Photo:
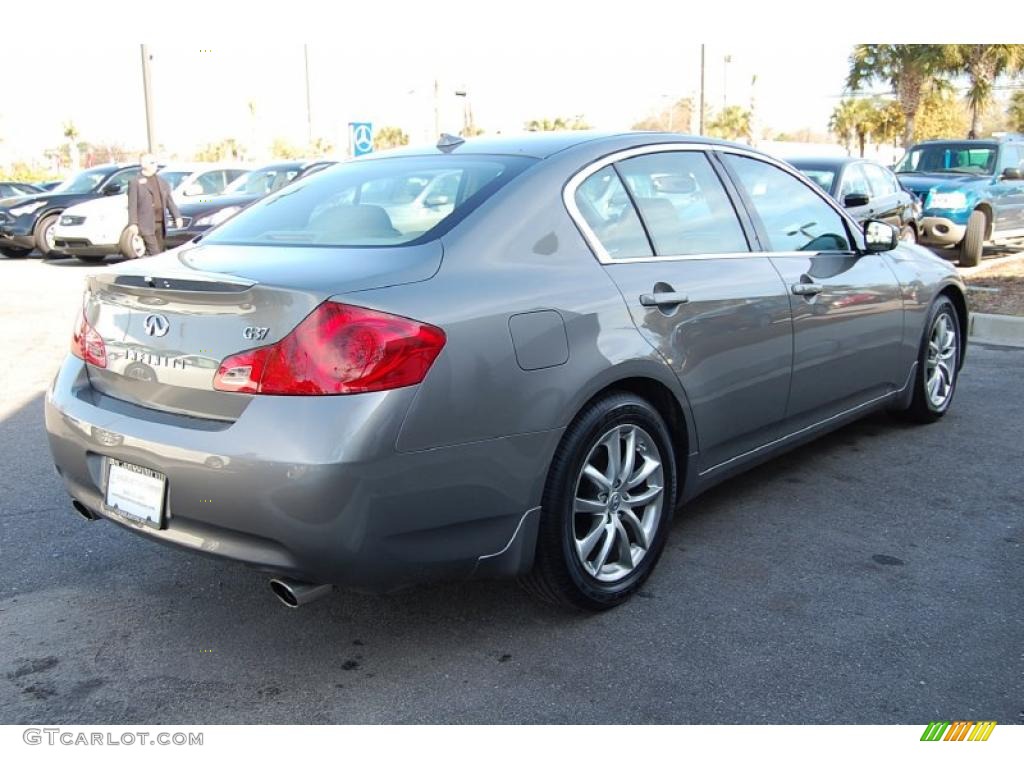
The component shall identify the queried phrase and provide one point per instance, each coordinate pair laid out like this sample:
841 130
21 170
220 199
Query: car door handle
663 299
806 289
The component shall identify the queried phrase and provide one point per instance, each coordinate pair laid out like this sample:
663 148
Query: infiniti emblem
157 325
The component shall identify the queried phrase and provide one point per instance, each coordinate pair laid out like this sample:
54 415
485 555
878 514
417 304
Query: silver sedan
370 381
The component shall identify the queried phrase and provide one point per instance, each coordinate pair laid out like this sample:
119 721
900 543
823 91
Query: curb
1005 330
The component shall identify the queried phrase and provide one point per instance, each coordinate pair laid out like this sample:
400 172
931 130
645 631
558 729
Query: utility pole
700 130
437 110
309 103
147 94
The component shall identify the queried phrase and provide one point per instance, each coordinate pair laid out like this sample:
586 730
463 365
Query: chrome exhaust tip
295 593
84 511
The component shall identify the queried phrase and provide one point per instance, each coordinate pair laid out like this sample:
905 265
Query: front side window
121 179
380 202
794 216
854 182
605 206
683 204
174 178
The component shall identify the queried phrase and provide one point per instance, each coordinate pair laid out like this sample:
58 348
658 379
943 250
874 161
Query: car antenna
447 142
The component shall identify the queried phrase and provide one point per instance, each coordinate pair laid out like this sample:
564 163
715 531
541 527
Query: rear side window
608 211
683 204
380 202
794 217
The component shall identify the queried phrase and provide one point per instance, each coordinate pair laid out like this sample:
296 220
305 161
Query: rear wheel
974 240
938 365
607 505
44 235
131 244
15 253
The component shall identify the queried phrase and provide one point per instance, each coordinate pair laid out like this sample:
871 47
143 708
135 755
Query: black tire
974 240
922 409
908 234
42 227
558 575
91 259
127 245
15 253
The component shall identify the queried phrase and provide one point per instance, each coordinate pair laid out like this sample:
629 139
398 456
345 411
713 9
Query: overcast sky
202 94
614 62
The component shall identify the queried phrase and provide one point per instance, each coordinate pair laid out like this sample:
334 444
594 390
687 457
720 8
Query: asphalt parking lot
875 576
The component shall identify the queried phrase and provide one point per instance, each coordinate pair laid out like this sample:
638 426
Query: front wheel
44 235
974 240
131 244
15 253
938 365
607 505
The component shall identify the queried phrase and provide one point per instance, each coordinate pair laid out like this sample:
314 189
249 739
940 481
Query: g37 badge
255 332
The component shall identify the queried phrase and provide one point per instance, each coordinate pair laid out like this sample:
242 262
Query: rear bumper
312 488
938 230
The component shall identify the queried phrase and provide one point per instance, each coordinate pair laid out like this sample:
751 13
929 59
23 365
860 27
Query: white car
91 230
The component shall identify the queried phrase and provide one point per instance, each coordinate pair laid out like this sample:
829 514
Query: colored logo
362 138
958 730
157 325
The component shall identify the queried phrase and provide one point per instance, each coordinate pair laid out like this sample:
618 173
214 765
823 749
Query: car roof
542 144
825 163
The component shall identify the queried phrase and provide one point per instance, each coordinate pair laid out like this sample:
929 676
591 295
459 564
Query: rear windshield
379 202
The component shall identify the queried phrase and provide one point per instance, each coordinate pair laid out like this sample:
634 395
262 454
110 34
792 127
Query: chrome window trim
574 182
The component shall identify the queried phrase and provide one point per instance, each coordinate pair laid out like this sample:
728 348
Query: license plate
135 493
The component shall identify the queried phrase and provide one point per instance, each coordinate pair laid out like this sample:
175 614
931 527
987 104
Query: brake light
87 344
336 350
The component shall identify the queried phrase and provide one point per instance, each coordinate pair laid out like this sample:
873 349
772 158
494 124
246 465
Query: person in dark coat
149 197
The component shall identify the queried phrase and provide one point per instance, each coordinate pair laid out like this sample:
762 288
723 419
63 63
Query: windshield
86 181
174 178
390 201
261 182
949 158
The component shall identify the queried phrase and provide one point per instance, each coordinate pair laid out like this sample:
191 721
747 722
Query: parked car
28 222
866 189
971 191
526 387
200 216
17 189
97 228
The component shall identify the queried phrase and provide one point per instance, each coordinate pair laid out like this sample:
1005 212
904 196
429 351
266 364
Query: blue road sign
361 138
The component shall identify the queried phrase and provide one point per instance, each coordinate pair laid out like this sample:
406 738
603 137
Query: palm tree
911 71
576 123
1015 111
389 137
731 123
855 119
71 133
983 65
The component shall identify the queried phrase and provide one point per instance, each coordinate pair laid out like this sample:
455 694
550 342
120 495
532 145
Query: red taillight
87 344
336 350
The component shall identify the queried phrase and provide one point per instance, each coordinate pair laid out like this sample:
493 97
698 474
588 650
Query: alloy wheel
940 365
618 503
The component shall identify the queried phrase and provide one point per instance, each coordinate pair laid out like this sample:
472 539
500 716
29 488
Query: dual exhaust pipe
289 591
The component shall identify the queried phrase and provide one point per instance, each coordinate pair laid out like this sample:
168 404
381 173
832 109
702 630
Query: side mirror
1012 174
113 189
193 189
855 200
879 236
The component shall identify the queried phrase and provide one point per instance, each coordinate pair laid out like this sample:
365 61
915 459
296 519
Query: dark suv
27 222
971 191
